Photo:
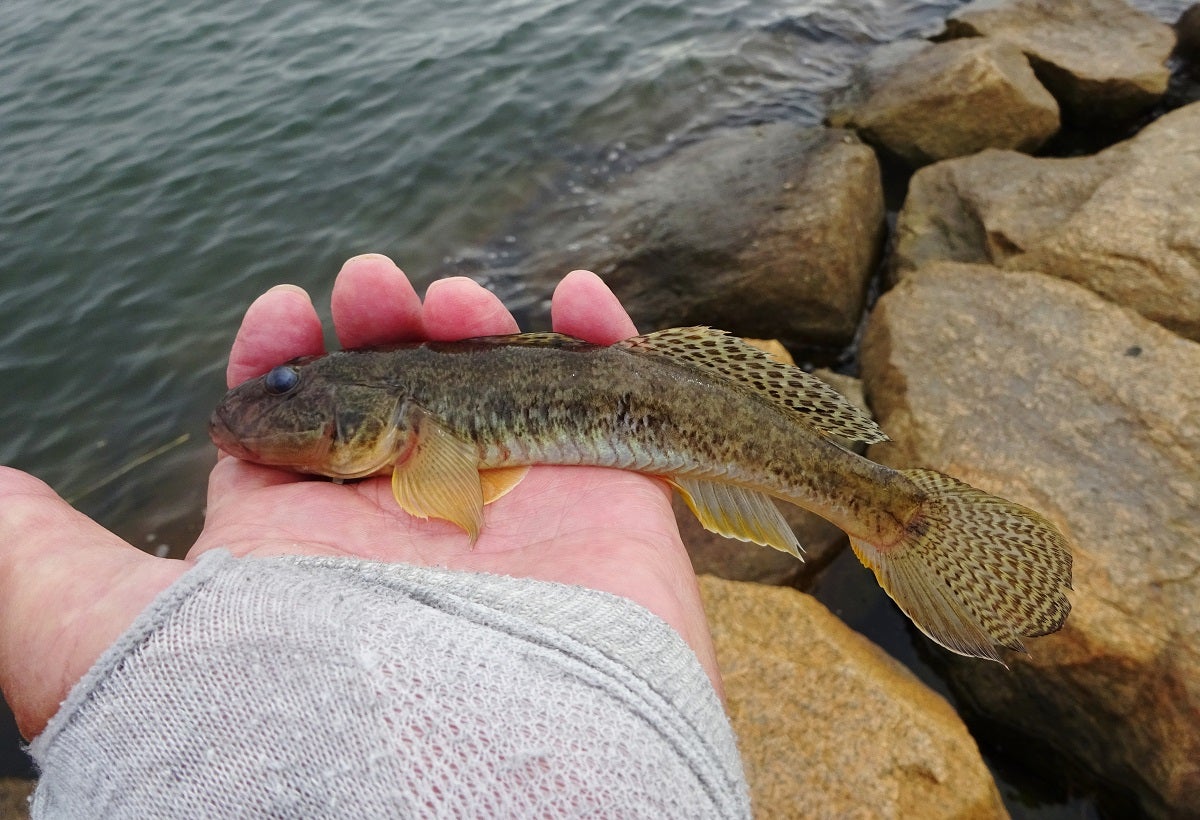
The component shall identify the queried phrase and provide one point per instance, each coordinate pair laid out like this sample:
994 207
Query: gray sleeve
312 687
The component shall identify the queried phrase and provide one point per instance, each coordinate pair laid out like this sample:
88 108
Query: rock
1039 391
713 554
1184 88
1124 223
14 797
1187 34
1101 59
828 724
769 231
926 102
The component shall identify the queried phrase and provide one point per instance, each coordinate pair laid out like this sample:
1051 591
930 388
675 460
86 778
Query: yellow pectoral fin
738 512
440 479
499 481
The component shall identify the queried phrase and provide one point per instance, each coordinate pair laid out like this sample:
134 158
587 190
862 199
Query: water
162 163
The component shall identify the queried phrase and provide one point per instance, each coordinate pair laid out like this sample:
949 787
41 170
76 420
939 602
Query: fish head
303 416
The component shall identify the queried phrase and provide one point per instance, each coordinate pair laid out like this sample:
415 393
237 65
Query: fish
457 424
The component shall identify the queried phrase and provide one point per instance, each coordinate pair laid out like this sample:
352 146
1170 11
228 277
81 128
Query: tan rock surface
925 102
1037 390
828 724
1124 223
1102 59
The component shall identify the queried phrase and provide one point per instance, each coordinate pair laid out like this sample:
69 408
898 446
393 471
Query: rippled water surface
162 163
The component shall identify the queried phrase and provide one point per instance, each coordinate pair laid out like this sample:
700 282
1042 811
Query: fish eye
282 379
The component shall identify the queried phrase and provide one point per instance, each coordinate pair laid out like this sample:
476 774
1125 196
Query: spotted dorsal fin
558 341
813 401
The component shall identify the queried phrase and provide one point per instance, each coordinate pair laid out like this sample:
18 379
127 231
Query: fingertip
279 325
374 303
584 306
370 258
458 308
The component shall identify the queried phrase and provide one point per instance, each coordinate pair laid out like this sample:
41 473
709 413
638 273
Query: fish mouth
224 437
307 456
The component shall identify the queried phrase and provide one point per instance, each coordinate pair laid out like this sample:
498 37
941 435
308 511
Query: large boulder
828 724
768 231
1124 223
1040 391
925 102
1101 59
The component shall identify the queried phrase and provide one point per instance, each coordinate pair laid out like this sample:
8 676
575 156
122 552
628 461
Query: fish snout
224 437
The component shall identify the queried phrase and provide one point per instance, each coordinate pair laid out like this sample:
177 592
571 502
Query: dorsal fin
559 341
815 403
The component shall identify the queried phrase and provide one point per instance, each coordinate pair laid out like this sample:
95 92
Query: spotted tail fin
975 571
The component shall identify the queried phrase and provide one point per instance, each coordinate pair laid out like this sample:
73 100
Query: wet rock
1187 33
769 231
1101 59
1184 88
1124 223
925 102
828 724
1038 390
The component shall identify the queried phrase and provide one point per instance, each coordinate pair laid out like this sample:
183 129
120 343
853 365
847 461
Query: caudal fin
975 571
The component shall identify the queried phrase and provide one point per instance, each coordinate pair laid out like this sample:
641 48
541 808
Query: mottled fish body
457 423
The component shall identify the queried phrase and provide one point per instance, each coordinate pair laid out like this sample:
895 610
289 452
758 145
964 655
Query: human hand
69 588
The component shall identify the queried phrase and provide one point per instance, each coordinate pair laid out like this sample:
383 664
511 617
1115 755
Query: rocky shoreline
1028 320
1038 335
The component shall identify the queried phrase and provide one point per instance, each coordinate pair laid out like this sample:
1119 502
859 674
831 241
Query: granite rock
1124 223
926 102
1038 390
828 724
769 231
1103 60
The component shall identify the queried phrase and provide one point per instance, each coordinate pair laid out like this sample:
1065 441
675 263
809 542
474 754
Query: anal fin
738 512
500 481
440 478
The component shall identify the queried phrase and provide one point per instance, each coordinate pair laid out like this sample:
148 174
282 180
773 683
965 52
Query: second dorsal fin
787 386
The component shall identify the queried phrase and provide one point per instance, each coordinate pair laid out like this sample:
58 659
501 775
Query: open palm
604 529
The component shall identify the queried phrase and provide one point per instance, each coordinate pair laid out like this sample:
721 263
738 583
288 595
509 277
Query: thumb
68 589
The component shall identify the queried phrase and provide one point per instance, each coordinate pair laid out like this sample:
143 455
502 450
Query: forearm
319 687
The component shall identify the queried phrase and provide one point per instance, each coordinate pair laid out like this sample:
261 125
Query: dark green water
162 163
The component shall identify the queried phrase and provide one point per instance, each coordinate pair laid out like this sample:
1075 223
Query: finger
583 306
458 308
374 303
98 583
280 325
